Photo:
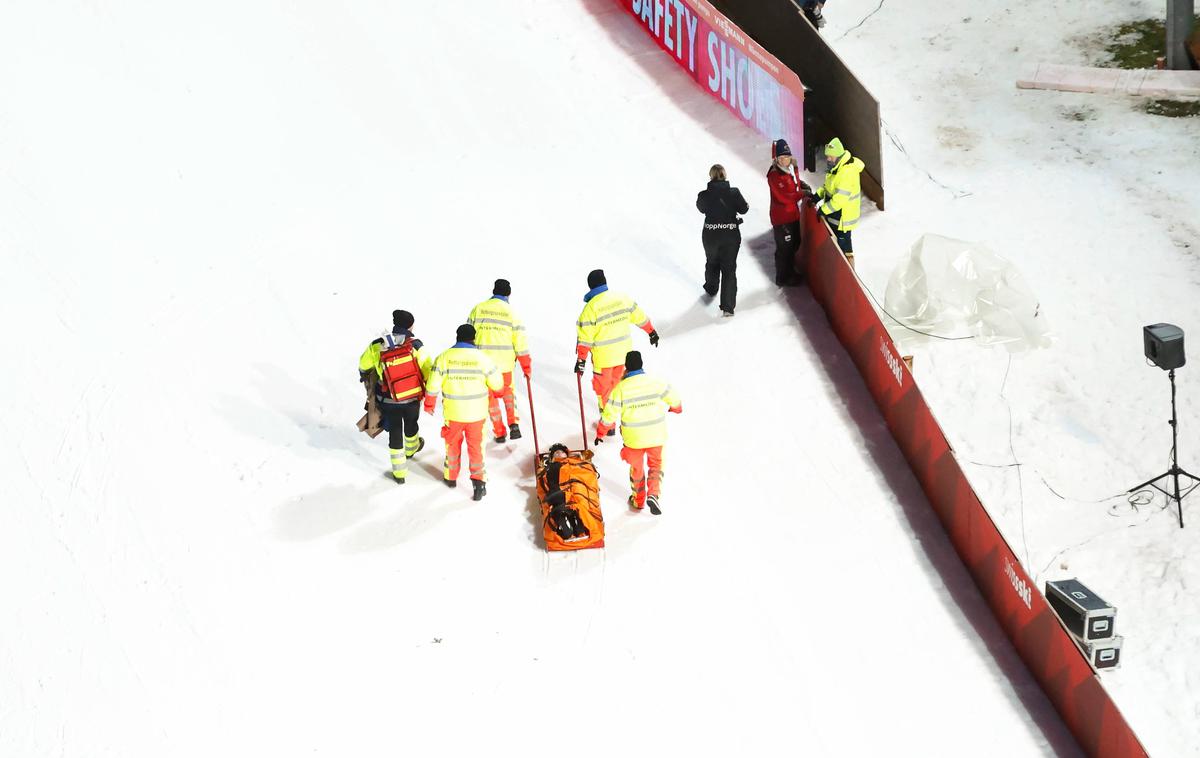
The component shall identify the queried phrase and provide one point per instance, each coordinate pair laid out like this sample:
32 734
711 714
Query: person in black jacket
721 205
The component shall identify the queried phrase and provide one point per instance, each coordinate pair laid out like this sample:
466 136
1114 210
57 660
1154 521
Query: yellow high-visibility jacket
499 332
369 361
603 327
462 376
641 403
842 191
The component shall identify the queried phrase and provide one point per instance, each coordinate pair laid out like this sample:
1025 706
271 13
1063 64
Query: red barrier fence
1042 642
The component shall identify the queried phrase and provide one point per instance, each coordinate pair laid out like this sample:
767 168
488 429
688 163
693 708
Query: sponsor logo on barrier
1018 584
748 80
669 21
893 363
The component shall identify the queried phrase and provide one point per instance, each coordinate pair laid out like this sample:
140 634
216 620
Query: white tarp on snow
948 286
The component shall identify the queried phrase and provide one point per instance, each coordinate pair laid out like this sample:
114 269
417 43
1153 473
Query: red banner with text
1042 642
722 59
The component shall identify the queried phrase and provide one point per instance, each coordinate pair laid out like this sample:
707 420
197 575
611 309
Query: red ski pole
532 418
582 421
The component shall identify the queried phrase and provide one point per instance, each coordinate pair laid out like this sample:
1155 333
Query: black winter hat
780 147
633 361
596 279
502 288
465 333
402 319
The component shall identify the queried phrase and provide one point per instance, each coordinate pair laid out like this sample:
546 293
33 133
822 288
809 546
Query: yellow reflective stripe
616 312
658 420
501 322
448 396
612 341
640 398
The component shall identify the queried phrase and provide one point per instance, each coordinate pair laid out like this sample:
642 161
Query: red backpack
401 373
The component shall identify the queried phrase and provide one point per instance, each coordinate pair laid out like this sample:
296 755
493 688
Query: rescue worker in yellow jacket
465 378
396 367
640 402
501 335
603 331
840 197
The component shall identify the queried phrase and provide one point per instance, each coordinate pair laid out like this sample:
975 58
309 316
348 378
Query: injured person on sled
564 504
568 491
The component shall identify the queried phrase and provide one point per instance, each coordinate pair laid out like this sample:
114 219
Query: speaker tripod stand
1174 472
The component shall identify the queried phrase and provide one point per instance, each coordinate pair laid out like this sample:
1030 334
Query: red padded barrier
1042 642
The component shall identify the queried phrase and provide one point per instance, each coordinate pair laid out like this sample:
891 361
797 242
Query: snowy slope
208 213
1097 204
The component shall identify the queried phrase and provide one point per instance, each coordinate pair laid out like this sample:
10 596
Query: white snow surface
1098 205
207 212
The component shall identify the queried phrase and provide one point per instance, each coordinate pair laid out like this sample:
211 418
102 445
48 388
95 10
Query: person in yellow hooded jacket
840 197
640 403
603 331
500 334
465 378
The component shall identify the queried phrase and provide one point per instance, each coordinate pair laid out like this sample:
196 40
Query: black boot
450 483
501 438
560 521
514 432
480 489
611 433
652 503
580 531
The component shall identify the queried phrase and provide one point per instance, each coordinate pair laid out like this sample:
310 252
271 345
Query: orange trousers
499 427
453 433
645 472
604 382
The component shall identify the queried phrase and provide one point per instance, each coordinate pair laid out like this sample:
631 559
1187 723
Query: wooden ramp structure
1113 81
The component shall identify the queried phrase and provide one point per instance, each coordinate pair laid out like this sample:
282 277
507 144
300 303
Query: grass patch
1138 44
1172 108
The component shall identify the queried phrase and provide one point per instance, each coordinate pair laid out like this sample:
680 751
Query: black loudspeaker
1164 345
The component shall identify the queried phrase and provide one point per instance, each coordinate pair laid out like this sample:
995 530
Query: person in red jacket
786 193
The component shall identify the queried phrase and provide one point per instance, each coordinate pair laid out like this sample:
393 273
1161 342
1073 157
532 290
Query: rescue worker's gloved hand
430 403
654 338
579 364
526 364
677 409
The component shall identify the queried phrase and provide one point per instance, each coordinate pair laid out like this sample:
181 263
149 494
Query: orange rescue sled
568 490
